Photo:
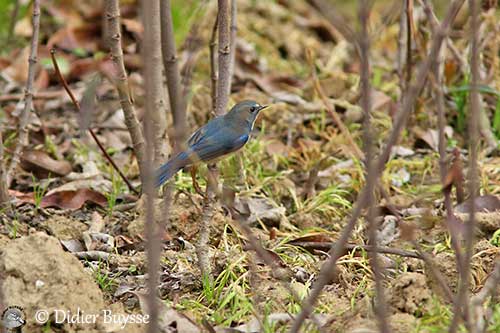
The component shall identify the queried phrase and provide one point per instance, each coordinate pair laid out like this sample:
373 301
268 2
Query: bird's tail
167 170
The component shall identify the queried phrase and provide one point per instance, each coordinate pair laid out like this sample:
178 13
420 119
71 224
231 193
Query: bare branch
94 136
153 134
232 45
364 45
474 113
328 268
28 95
112 10
170 64
224 80
213 63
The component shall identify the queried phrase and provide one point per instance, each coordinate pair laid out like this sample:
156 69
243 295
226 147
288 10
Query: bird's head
246 111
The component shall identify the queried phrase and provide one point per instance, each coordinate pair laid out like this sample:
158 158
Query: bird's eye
252 109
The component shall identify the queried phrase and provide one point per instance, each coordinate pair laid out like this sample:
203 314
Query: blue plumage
217 138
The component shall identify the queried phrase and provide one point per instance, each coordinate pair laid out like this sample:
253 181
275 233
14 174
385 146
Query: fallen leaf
73 199
253 210
42 165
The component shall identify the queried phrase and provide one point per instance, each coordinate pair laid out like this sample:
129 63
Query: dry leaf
42 165
73 199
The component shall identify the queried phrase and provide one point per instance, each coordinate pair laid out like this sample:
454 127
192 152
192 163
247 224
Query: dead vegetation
350 210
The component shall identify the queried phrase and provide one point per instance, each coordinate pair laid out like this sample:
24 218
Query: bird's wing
205 131
211 149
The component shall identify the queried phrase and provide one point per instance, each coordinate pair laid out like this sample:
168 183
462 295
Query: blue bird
219 137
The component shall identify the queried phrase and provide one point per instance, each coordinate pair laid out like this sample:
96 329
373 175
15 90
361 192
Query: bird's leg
196 186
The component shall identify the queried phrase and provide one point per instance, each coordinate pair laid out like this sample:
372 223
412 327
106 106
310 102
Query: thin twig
325 246
36 95
94 136
28 95
463 287
171 66
364 46
224 59
153 133
112 11
232 45
328 268
213 63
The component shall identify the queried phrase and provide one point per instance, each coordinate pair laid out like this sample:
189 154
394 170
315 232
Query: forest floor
75 239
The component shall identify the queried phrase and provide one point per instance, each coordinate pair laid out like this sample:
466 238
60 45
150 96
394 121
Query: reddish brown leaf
455 177
42 165
73 199
316 238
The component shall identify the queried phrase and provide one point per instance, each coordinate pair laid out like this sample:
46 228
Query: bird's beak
263 107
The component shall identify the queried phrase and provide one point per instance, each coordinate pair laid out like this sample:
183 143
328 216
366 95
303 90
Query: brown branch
153 134
213 63
475 109
154 87
325 246
328 268
94 136
112 11
170 64
364 46
438 82
28 95
224 60
232 45
38 95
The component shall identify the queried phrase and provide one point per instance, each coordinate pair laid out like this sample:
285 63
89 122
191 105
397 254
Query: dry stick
170 64
463 288
222 97
94 136
325 246
364 46
213 63
437 68
224 59
28 95
233 30
38 95
152 131
438 81
112 10
328 268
